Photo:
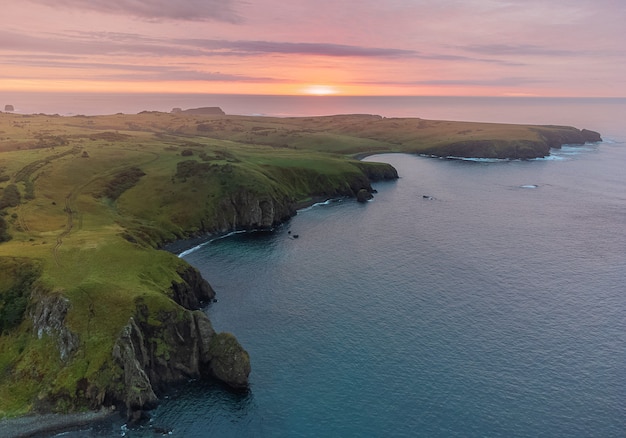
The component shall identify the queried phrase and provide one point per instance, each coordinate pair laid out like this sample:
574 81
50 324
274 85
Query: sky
297 47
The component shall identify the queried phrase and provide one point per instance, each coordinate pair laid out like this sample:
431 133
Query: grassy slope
82 242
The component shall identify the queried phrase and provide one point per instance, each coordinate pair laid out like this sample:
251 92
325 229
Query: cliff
546 139
155 349
248 208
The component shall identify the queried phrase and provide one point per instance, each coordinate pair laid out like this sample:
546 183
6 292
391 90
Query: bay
496 308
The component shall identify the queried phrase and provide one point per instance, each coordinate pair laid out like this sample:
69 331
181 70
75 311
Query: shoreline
184 247
39 424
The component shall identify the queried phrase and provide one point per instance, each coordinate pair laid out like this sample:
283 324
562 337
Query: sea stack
9 108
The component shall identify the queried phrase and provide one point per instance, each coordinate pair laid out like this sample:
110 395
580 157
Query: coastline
186 246
39 424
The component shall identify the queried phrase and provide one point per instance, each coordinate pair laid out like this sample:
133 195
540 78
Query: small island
93 312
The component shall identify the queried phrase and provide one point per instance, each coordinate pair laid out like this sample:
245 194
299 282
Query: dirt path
71 212
69 225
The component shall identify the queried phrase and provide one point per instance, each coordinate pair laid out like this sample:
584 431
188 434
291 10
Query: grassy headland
87 300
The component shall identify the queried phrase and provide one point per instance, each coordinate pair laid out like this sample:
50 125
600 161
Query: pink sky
367 47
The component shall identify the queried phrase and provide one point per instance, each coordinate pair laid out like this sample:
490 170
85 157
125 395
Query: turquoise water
496 308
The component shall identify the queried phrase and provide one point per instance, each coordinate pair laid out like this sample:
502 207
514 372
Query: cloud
128 72
492 82
251 48
517 50
246 48
156 10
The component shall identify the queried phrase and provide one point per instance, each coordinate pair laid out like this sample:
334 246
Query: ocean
468 298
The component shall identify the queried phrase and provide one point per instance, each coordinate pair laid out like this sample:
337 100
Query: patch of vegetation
11 197
20 274
122 181
191 168
109 136
49 141
4 230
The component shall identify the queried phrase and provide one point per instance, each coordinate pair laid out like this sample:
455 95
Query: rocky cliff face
48 318
177 345
549 137
155 349
557 138
247 209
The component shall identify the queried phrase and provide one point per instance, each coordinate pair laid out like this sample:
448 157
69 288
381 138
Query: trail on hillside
69 225
72 212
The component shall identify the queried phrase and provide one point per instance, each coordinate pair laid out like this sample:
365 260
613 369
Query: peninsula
93 313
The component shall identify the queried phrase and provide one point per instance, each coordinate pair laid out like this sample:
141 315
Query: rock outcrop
162 344
194 291
548 138
9 108
555 138
48 318
591 136
248 209
180 345
363 196
228 361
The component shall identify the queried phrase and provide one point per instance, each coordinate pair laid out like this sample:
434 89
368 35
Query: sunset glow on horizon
408 47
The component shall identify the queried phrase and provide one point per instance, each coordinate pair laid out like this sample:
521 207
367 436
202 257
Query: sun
320 90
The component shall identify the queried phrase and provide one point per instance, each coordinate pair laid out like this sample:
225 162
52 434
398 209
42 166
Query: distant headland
204 111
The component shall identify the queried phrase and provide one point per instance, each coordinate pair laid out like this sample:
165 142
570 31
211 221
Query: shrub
10 197
122 182
14 299
4 230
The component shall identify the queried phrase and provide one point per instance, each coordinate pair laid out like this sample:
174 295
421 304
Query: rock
194 291
9 108
48 317
229 362
130 353
246 209
363 195
591 136
176 110
181 344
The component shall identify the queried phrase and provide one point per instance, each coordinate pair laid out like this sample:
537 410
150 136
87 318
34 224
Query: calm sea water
497 308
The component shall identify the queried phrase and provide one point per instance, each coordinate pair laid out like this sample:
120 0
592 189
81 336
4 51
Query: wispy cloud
156 10
251 48
115 43
464 82
130 72
287 48
517 50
